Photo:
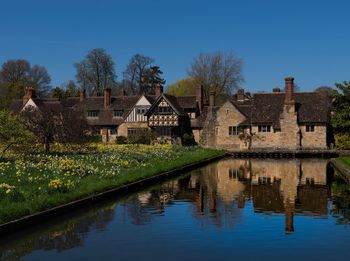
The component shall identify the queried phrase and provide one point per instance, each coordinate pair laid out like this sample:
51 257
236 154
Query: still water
235 209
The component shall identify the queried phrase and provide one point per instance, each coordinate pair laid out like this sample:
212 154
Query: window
232 130
112 131
141 111
118 113
164 110
233 173
310 128
136 131
164 131
264 128
92 114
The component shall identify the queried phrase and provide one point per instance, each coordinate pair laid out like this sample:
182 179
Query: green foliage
141 137
342 140
188 140
341 115
182 87
12 131
121 140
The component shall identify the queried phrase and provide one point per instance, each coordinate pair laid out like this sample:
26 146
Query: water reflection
216 196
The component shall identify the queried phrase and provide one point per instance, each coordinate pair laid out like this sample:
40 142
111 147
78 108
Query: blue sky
309 40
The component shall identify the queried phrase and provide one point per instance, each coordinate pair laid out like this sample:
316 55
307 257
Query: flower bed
31 183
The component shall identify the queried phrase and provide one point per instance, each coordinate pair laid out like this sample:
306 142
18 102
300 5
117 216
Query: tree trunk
47 145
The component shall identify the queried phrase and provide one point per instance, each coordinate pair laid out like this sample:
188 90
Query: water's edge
36 218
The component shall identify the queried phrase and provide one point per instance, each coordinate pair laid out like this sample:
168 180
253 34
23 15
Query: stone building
276 120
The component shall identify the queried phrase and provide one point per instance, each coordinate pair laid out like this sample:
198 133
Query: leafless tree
17 74
52 123
217 72
96 71
136 73
15 71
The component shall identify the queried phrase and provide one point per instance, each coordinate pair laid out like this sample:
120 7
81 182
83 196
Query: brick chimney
212 99
107 97
240 95
199 97
289 91
276 90
158 89
29 93
82 94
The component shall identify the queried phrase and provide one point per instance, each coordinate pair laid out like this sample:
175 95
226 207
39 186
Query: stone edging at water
37 218
341 168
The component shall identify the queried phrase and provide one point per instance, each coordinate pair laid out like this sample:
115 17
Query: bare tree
217 72
52 123
96 71
17 74
40 79
135 74
15 71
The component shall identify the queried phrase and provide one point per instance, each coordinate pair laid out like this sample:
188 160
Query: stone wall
287 137
123 128
316 139
228 115
197 135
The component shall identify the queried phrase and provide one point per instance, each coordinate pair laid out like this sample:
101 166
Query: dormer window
264 128
92 114
141 111
118 113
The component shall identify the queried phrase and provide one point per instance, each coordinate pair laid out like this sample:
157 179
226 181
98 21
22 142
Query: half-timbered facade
165 116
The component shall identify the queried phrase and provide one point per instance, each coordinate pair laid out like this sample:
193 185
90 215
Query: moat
241 209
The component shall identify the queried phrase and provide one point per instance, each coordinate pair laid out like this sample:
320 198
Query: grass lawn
345 161
35 182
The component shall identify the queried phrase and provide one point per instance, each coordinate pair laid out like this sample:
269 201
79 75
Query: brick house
276 120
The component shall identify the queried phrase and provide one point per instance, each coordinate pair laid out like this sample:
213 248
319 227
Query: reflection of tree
65 235
341 201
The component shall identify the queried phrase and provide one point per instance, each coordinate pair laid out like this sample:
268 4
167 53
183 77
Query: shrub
121 140
342 141
188 140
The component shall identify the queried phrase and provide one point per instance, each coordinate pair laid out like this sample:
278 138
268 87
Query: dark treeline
94 73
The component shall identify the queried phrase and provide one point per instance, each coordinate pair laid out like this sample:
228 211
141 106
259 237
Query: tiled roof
187 102
311 107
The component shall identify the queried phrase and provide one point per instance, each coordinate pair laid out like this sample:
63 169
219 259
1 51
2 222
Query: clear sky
307 39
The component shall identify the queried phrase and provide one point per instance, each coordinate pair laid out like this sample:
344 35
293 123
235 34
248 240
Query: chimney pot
240 95
158 90
289 91
107 97
29 93
212 98
82 94
276 90
199 97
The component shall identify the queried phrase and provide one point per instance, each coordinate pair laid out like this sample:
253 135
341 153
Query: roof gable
171 101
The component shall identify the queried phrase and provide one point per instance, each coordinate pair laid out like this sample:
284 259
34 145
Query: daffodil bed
35 182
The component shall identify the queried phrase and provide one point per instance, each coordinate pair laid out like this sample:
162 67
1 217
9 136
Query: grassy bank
32 183
345 161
